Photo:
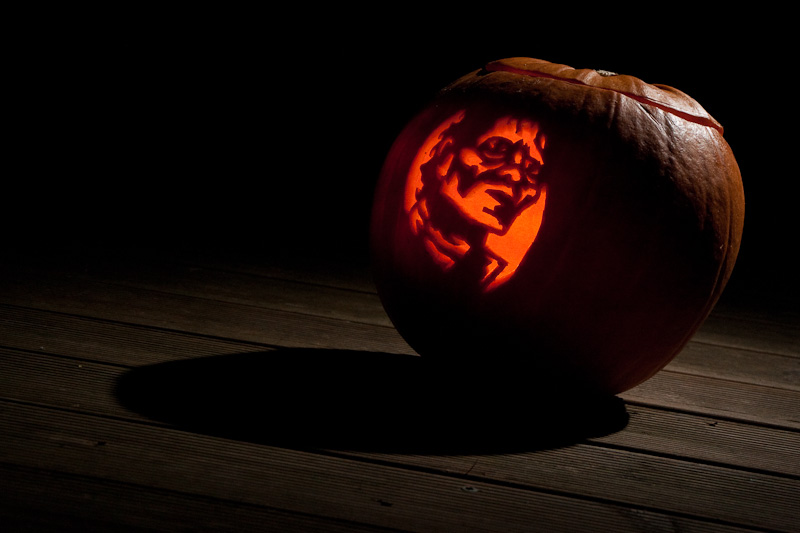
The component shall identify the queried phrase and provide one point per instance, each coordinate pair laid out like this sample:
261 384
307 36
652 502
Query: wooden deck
194 392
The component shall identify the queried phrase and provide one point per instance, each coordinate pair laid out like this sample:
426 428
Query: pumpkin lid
663 97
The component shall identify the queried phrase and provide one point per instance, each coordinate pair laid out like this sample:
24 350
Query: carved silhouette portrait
474 195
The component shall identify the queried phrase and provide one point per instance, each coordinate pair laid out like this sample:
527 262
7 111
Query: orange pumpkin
574 227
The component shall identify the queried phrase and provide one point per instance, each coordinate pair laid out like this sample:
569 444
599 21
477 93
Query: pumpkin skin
557 226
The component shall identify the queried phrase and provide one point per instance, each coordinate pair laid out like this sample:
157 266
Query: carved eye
495 148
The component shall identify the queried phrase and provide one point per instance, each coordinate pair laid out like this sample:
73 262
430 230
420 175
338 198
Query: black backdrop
265 132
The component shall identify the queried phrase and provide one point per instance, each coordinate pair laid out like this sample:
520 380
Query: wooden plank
91 387
659 483
351 273
724 399
734 364
343 271
249 289
59 382
735 332
43 501
200 316
707 439
106 341
345 489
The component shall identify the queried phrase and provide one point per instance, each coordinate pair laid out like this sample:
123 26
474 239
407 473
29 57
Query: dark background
264 132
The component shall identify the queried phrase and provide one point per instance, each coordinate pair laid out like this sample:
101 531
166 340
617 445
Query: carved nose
512 173
518 156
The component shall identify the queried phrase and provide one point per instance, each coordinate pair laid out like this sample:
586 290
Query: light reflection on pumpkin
476 201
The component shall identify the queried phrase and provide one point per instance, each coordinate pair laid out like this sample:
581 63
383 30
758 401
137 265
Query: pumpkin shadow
340 399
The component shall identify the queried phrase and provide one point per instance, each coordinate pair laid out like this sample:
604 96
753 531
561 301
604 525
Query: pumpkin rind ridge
664 96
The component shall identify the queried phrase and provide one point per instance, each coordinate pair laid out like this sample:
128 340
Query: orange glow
515 244
425 154
478 196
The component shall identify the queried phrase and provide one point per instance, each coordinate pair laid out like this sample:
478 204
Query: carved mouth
506 209
502 196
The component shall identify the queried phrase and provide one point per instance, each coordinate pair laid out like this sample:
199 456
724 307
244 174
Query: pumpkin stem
605 73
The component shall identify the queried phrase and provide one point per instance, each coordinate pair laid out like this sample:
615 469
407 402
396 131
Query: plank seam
145 326
716 415
727 379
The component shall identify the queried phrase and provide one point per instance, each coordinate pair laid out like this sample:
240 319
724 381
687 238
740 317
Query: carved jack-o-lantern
569 226
478 196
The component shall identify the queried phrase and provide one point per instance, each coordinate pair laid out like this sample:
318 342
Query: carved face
474 197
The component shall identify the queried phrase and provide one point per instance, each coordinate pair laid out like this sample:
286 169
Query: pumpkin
571 228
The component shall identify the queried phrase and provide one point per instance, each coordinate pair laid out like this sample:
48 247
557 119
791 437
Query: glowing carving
475 199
